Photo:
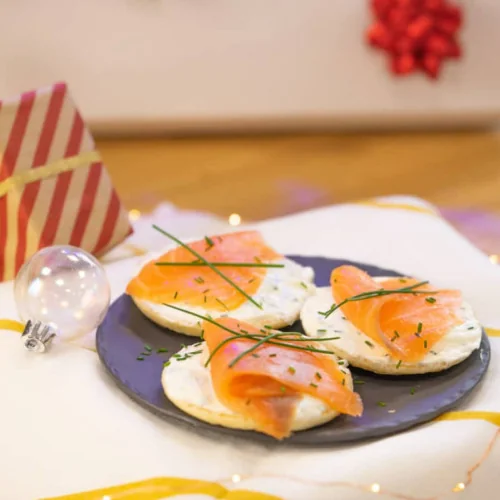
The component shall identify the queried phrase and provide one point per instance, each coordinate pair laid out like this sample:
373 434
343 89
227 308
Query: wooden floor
268 176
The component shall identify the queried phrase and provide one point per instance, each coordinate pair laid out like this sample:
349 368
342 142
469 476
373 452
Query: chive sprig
209 264
379 293
273 338
219 264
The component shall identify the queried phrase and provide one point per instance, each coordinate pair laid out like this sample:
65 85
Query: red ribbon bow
417 34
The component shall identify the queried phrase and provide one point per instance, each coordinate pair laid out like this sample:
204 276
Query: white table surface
66 428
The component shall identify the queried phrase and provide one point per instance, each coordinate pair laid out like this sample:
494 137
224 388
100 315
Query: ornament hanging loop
37 337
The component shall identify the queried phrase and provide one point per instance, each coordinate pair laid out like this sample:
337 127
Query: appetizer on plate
248 378
393 326
234 274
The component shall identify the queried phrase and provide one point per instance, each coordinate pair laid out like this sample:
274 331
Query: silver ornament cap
37 337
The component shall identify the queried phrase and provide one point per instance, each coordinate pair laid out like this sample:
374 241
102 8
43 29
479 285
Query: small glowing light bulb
134 215
459 487
375 488
236 478
235 219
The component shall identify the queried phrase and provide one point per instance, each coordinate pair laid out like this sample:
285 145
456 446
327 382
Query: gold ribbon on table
374 202
161 488
493 417
492 332
52 169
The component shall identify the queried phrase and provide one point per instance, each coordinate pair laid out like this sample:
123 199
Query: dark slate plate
125 330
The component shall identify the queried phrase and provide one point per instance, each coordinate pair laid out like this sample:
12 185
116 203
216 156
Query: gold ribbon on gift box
52 169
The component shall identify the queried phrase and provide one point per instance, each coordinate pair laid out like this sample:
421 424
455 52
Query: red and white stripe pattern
78 207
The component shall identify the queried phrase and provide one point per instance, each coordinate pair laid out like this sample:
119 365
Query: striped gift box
54 188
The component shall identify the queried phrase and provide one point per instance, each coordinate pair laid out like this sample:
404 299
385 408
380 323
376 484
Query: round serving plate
410 400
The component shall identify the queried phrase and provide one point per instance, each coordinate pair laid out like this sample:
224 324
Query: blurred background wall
139 66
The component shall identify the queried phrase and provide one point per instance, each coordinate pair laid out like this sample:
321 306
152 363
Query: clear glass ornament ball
65 288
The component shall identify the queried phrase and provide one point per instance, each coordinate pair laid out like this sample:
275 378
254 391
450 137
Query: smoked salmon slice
200 285
267 383
406 325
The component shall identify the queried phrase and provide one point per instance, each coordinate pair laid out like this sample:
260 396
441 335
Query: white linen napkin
66 428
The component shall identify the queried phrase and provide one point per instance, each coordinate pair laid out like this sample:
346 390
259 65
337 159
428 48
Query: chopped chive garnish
255 355
318 375
206 291
368 343
272 355
167 363
205 299
471 328
199 279
402 280
431 300
343 381
209 242
222 304
291 369
433 352
202 334
197 255
257 259
359 382
148 347
382 404
313 385
282 388
417 334
251 280
425 344
399 364
139 358
303 285
268 327
321 331
161 349
341 362
419 328
412 391
175 295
